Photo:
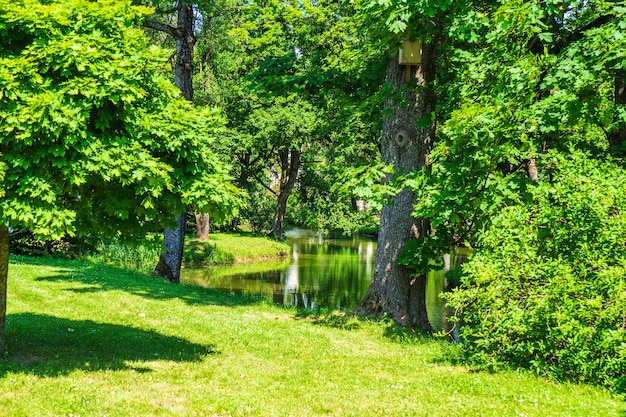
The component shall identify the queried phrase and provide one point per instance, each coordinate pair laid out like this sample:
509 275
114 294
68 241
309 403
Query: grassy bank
229 248
222 248
89 340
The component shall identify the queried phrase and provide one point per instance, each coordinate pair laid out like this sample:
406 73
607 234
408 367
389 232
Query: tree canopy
93 136
90 124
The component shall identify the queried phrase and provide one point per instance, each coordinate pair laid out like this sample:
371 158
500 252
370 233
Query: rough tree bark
4 276
290 161
396 290
170 261
185 42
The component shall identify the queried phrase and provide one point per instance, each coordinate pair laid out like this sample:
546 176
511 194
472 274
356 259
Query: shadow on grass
331 318
353 321
50 346
98 277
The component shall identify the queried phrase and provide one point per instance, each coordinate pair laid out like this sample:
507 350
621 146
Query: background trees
295 81
93 137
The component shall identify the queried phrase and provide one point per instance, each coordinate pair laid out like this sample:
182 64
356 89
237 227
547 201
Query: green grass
140 256
91 340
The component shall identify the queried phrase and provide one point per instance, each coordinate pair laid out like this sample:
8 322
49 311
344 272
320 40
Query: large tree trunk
396 290
4 277
290 161
174 240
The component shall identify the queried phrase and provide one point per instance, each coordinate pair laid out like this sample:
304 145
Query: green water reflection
322 273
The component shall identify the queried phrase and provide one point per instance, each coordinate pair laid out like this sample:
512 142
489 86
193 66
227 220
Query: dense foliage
92 136
546 287
531 100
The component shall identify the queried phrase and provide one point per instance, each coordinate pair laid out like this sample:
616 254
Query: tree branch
162 27
264 185
537 47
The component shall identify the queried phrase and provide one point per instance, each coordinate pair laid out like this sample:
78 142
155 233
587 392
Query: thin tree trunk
531 169
4 276
279 216
170 261
290 164
203 223
396 290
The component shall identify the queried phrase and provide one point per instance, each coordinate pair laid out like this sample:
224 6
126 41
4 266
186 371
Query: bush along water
546 286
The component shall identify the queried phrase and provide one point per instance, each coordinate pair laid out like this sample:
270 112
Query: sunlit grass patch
93 340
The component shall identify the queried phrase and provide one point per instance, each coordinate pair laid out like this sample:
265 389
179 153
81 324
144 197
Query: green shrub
23 242
546 286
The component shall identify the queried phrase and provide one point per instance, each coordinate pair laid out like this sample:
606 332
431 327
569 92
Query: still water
322 272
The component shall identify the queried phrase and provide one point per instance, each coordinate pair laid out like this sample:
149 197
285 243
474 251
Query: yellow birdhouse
411 52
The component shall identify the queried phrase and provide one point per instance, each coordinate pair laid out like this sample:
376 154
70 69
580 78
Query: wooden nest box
410 52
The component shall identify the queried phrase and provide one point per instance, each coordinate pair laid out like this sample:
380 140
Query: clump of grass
141 256
200 253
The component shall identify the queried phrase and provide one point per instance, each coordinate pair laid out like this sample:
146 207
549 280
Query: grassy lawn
90 340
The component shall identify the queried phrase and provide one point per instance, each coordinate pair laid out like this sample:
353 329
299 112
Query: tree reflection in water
329 273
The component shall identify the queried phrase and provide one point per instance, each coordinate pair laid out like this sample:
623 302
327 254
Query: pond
322 272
